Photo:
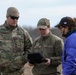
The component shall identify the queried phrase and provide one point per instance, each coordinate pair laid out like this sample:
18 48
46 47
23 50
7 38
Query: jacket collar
9 27
70 32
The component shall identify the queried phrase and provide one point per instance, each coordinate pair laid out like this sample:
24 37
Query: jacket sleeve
27 43
69 63
58 47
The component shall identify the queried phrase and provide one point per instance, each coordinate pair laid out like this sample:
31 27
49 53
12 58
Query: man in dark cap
15 43
50 47
68 29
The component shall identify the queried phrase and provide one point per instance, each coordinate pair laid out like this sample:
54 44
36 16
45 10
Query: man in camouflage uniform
15 43
50 46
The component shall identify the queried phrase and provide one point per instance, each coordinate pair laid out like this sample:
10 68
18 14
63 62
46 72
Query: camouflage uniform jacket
49 46
14 45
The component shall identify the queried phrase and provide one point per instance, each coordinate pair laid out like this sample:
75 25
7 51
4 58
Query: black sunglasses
13 17
41 29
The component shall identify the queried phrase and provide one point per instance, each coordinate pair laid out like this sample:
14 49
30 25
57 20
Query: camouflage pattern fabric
14 73
15 43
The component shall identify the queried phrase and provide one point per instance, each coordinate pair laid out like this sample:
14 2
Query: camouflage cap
12 11
43 23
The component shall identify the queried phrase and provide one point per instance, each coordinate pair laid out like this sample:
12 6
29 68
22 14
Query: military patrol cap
12 11
66 21
43 23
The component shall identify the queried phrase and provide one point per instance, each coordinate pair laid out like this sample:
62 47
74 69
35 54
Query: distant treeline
34 32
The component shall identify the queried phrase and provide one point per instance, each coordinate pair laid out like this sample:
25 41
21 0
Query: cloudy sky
33 10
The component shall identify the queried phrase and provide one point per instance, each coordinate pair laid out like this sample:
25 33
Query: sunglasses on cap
13 17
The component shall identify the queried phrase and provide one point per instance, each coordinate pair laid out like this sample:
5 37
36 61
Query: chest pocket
45 50
48 50
18 39
37 48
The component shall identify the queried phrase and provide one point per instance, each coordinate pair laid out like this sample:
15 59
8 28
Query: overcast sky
33 10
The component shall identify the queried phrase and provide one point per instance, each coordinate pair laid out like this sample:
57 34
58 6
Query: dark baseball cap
66 21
